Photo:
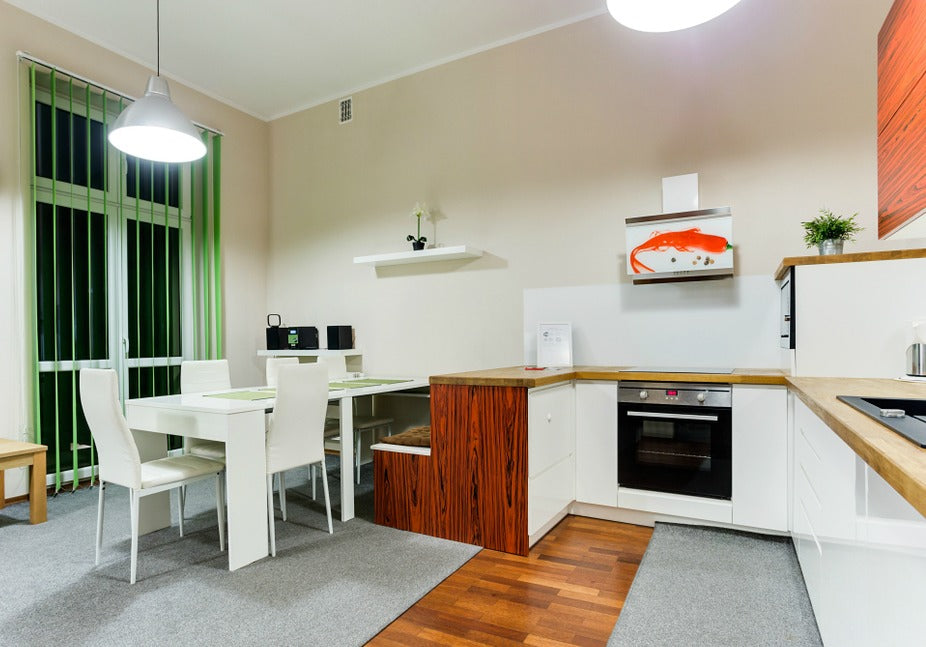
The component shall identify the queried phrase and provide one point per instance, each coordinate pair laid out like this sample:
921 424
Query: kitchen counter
899 462
856 257
524 377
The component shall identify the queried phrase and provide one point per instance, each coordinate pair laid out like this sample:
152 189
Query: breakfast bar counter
522 376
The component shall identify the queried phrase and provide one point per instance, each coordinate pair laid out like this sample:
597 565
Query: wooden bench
18 454
402 472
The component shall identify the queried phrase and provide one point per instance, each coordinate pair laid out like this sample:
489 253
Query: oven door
677 449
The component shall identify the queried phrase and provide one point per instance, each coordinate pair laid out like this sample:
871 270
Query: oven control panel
679 394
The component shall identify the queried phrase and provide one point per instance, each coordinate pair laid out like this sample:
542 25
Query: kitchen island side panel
479 454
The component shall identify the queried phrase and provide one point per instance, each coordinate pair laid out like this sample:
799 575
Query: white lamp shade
666 15
153 128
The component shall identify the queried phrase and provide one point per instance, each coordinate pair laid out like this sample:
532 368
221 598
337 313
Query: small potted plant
419 240
828 231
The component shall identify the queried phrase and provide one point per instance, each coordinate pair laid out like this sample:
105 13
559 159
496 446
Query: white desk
240 425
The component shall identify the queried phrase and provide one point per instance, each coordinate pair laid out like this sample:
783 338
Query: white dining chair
273 367
120 462
296 434
363 423
199 376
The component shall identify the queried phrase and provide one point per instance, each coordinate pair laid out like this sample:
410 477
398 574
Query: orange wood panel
569 590
901 116
400 496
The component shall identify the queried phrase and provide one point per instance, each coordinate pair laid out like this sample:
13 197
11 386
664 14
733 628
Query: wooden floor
568 591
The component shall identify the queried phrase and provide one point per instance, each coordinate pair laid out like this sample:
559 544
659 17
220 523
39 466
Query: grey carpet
714 587
321 589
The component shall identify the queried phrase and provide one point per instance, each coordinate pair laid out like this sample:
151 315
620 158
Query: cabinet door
550 426
596 443
760 456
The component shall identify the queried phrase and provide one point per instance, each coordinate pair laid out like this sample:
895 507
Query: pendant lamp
153 128
666 15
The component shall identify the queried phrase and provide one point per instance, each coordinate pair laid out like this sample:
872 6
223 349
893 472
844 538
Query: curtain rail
21 55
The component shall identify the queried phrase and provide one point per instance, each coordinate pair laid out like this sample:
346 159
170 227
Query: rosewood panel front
401 494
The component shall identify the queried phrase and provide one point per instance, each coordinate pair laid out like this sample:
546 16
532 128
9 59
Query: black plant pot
417 245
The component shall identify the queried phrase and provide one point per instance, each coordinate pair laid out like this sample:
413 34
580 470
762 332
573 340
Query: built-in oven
675 438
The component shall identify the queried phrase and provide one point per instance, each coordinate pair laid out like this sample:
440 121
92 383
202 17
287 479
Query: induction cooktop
681 369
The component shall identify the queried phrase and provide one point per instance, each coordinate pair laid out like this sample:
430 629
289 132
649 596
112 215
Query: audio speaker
340 337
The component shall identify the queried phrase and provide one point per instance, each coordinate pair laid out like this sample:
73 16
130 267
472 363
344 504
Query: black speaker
276 338
340 337
302 337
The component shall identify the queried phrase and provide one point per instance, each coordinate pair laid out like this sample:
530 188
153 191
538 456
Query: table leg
153 510
347 458
38 507
2 489
246 483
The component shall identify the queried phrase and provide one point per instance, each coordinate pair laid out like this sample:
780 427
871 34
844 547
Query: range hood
682 246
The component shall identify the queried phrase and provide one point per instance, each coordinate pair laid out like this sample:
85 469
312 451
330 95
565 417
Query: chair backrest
296 434
337 366
273 367
197 376
99 397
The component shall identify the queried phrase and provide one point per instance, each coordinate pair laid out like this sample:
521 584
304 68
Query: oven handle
672 416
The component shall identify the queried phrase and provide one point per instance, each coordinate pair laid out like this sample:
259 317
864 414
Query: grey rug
321 589
712 587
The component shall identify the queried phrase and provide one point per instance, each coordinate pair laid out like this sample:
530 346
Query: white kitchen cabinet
760 456
551 445
596 443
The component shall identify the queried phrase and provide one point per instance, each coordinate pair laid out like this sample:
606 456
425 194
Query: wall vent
345 110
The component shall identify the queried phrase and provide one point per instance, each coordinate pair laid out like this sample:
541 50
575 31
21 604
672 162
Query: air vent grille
345 110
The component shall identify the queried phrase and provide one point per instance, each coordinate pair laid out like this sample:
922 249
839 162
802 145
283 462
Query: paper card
554 344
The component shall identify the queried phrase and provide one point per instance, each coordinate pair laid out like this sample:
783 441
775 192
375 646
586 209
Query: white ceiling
275 57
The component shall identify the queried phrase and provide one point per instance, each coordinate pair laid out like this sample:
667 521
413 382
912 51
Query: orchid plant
419 240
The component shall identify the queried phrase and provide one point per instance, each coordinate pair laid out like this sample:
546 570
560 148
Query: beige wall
245 198
537 151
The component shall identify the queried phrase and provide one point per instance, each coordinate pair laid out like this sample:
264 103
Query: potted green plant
828 231
419 240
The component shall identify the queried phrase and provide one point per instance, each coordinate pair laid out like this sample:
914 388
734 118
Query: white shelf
421 256
321 352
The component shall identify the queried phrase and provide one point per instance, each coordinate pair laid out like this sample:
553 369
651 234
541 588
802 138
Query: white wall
537 151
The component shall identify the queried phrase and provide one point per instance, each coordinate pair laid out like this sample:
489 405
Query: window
118 246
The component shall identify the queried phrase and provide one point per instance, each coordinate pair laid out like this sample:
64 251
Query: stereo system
281 337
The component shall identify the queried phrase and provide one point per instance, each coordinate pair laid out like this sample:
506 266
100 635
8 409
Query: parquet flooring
569 590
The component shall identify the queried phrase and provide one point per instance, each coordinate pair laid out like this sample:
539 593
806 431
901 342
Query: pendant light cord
158 33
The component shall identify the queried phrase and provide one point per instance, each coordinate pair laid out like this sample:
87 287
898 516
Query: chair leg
133 511
357 436
327 499
180 498
220 508
313 474
270 520
99 524
182 505
282 478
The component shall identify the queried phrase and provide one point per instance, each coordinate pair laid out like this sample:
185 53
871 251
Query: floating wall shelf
321 352
422 256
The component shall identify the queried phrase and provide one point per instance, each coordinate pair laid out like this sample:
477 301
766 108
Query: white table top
198 402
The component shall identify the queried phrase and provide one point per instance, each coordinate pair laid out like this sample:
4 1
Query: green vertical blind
124 262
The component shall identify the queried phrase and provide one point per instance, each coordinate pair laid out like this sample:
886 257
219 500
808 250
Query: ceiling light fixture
152 127
666 15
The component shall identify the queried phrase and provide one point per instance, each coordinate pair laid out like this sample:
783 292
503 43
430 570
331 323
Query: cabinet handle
549 417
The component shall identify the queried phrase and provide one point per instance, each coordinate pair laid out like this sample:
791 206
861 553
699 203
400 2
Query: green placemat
362 383
244 395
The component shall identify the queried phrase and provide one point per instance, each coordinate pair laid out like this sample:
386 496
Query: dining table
236 417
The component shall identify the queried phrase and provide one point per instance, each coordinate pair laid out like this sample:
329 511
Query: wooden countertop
899 462
521 376
857 257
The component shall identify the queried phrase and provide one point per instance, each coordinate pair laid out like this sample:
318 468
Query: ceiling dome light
666 15
153 128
